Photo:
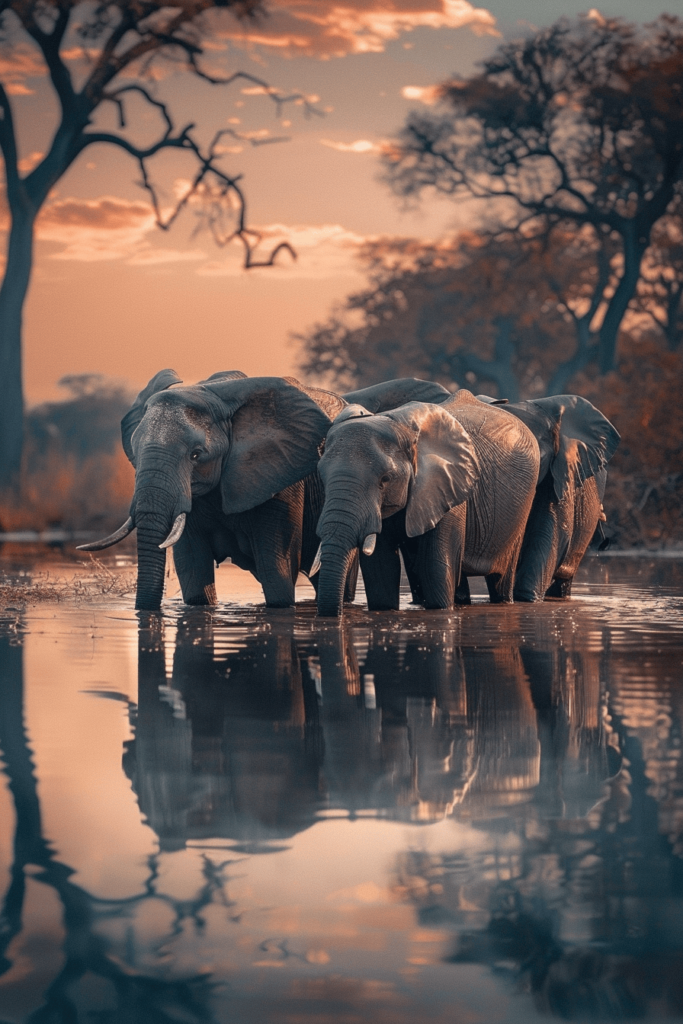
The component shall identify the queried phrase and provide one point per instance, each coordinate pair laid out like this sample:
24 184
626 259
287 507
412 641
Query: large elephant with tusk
227 469
220 470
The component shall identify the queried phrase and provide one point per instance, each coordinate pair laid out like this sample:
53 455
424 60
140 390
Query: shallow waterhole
240 814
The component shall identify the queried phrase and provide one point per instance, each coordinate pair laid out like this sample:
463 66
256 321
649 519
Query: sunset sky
112 294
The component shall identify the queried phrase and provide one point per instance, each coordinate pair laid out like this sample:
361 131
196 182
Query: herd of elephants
285 478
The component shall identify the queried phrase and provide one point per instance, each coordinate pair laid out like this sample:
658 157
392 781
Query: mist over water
241 814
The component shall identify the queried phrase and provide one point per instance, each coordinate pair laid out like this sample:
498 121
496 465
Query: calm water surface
242 815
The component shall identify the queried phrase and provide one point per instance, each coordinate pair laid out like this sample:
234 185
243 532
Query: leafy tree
660 289
644 498
501 314
124 40
578 127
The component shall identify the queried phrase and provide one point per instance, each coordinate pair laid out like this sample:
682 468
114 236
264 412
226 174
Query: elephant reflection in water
240 744
576 896
225 748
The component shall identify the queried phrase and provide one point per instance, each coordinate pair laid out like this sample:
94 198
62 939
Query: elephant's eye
385 479
195 454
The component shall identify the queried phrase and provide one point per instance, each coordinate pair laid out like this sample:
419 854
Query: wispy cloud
95 229
323 251
428 94
327 28
112 229
359 146
17 63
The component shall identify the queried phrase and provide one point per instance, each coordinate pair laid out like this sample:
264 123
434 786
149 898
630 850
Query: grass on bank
17 591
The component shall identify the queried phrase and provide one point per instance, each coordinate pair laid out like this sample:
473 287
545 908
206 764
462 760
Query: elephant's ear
330 403
492 401
276 430
447 464
544 425
587 440
225 375
160 382
394 393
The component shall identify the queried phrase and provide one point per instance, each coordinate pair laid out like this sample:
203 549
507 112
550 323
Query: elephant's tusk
317 562
113 538
369 543
176 531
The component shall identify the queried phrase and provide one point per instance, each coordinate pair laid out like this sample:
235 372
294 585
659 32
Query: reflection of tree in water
136 996
572 891
581 905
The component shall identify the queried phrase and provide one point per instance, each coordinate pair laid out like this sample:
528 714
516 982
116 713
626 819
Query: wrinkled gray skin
450 485
237 456
231 453
576 442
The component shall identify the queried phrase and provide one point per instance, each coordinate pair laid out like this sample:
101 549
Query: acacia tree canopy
120 43
506 314
496 313
580 125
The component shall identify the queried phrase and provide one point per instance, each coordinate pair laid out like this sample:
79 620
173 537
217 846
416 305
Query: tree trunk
12 296
499 369
618 304
585 352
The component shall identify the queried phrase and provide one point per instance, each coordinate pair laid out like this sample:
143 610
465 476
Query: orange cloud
359 146
17 63
428 94
328 28
106 229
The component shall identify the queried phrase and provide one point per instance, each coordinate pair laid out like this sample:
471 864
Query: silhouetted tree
580 125
660 288
120 41
506 312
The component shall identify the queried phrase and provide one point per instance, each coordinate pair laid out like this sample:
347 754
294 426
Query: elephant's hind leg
275 529
439 560
560 588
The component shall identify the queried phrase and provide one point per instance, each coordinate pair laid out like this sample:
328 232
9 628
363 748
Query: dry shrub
644 498
97 580
75 493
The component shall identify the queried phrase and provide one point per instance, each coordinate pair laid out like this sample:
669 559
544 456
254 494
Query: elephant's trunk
337 556
151 561
347 519
161 494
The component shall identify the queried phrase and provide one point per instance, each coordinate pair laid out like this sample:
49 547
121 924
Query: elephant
576 442
220 470
226 468
450 485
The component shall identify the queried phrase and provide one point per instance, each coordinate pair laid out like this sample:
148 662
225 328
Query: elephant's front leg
439 559
275 529
382 573
194 565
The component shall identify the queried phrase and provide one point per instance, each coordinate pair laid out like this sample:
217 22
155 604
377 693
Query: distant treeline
78 477
76 474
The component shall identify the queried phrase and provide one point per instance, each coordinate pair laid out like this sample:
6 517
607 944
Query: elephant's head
575 439
248 438
416 457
